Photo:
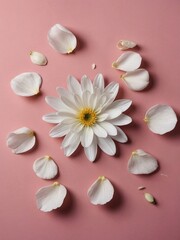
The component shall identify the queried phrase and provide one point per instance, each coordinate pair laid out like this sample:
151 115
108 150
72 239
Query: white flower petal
161 119
52 118
91 151
45 167
61 39
86 84
21 140
136 80
107 145
70 104
38 58
50 197
87 136
110 128
60 130
71 148
141 162
55 103
121 120
73 85
99 131
128 61
122 104
102 117
98 82
101 191
121 136
126 44
26 84
111 90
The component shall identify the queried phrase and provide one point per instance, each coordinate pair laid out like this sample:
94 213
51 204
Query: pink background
154 25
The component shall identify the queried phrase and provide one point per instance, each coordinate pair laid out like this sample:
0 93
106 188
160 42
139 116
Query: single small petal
71 148
50 197
121 120
128 61
38 58
86 84
126 44
101 191
73 85
87 136
91 151
141 162
107 145
136 80
99 131
161 119
26 84
93 66
21 140
60 130
121 136
52 118
99 82
110 128
61 39
45 167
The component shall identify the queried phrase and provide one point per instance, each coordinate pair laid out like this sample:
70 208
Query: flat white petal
87 136
60 130
107 145
91 151
128 61
73 85
111 90
121 136
121 120
71 148
86 84
38 58
136 80
55 103
98 82
50 197
45 167
70 104
126 44
102 117
161 119
110 128
21 140
101 191
61 39
122 104
26 84
141 162
99 131
52 118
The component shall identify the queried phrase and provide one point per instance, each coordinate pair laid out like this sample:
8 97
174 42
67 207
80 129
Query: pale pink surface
99 25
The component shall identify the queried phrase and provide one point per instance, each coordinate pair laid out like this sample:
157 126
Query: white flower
101 191
87 114
21 140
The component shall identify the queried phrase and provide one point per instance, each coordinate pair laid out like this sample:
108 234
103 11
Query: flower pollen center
87 117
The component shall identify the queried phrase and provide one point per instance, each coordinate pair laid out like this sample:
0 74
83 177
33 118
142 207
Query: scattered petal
141 162
101 191
61 39
136 80
126 44
21 140
26 84
45 167
50 197
38 58
141 188
93 66
128 61
150 198
160 119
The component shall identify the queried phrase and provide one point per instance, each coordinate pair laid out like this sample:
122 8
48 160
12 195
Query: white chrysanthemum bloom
87 114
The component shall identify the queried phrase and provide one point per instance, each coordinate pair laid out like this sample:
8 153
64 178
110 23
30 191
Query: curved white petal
99 131
121 136
126 44
55 103
141 162
98 82
61 39
111 90
73 85
38 58
161 119
91 151
128 61
110 128
136 80
107 145
86 84
21 140
52 118
45 167
101 191
121 120
60 130
87 136
50 197
26 84
71 148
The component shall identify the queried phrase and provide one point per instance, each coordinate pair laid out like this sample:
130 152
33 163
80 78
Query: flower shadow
81 44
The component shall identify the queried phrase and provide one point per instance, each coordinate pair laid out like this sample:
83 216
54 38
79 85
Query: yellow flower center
87 117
